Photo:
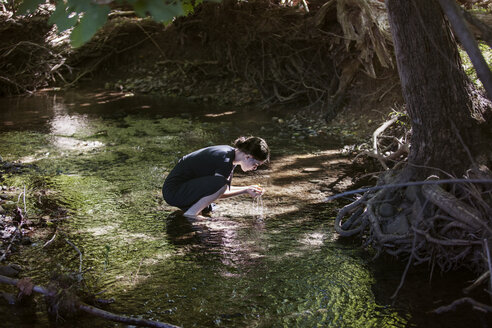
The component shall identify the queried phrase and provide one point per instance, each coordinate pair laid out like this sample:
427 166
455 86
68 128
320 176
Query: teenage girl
205 175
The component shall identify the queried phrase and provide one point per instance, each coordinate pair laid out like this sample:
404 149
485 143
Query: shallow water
103 159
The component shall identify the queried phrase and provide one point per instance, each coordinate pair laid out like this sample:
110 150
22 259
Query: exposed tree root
449 225
387 148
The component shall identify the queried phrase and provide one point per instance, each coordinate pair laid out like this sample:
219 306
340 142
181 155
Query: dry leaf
25 286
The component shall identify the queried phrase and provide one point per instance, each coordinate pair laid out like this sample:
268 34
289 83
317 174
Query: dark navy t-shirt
209 161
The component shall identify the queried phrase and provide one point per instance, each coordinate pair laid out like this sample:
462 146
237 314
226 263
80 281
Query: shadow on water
101 160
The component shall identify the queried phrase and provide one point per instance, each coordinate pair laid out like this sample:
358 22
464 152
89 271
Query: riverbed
99 160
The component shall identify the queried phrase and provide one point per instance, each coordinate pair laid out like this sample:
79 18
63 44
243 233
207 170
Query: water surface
100 161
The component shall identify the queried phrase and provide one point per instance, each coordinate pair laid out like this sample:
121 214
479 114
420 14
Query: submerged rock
8 271
386 210
398 226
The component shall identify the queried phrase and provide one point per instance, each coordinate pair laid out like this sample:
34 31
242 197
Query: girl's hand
255 191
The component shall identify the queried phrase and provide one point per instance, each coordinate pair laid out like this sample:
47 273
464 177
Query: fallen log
26 288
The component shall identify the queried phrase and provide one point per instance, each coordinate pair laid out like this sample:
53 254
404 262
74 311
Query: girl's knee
222 189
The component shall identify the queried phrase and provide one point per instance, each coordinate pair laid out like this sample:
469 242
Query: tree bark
435 87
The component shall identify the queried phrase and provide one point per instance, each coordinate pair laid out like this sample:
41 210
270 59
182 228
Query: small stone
386 210
8 271
398 226
315 191
411 193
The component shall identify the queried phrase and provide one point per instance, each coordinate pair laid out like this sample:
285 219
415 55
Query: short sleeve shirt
209 161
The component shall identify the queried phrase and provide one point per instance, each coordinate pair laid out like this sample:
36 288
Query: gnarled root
449 225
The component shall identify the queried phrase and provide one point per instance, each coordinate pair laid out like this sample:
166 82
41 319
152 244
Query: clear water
104 158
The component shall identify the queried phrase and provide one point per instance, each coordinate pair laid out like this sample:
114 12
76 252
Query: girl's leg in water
194 211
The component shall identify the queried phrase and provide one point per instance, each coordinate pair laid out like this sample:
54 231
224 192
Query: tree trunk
435 87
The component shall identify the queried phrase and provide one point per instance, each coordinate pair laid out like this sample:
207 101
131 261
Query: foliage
86 17
468 66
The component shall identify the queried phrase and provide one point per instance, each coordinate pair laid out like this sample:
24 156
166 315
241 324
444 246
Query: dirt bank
229 54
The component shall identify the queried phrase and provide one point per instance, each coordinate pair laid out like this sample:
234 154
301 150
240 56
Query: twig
15 83
77 250
476 283
80 256
4 255
402 280
17 228
50 241
380 130
138 270
151 39
406 184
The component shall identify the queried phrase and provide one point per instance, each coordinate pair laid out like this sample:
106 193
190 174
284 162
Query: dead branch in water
476 305
81 306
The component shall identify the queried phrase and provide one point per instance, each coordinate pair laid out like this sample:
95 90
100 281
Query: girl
203 176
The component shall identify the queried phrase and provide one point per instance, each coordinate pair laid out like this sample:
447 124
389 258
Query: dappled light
107 174
326 163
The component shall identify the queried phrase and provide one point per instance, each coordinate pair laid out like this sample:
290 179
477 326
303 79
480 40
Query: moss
468 66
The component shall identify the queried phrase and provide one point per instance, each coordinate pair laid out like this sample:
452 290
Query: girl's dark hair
254 146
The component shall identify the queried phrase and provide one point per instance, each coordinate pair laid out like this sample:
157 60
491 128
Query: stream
99 161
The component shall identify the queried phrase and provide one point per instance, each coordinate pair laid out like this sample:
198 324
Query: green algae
108 176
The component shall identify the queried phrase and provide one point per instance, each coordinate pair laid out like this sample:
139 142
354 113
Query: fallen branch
91 309
476 283
406 184
476 305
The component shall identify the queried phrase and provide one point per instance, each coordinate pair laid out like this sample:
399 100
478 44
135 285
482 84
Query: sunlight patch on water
67 143
70 125
313 239
236 271
102 230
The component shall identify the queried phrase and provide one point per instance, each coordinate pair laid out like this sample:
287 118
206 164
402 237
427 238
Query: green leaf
187 7
29 6
80 5
91 21
164 11
60 17
140 7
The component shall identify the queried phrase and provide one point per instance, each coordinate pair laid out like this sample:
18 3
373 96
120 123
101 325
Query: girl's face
250 163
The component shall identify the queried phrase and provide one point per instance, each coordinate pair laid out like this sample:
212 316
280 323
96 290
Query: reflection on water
104 159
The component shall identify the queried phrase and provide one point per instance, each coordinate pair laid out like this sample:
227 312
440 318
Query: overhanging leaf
29 6
60 17
81 5
140 7
165 11
90 22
